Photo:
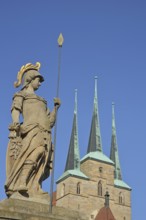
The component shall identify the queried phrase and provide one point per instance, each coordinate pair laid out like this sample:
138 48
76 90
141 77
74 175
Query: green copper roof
121 184
95 136
74 173
73 158
114 156
99 156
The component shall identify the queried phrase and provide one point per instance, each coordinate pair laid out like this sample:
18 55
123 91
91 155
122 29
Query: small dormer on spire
73 158
114 155
95 136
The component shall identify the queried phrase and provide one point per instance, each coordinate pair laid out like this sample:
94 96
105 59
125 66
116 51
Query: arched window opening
99 188
121 199
78 188
100 169
63 189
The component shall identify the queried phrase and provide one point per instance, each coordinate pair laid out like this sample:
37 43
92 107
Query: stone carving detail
30 149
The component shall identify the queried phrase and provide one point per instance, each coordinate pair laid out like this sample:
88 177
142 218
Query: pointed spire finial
113 118
95 86
76 93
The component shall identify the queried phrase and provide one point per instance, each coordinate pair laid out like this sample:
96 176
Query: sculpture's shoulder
20 94
18 101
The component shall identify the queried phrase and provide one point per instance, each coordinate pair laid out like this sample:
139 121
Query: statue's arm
15 113
52 115
15 116
17 107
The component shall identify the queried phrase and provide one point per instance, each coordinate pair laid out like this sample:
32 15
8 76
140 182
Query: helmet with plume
27 73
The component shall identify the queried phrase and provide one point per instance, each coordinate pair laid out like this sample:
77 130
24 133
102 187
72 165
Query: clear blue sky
106 38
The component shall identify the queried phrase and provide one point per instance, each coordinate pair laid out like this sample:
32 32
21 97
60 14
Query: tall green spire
94 151
95 136
114 156
72 167
73 158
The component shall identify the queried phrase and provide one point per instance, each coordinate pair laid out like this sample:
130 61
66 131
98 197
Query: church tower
70 184
122 203
96 165
85 181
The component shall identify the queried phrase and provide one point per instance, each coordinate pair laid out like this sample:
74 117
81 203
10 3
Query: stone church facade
85 181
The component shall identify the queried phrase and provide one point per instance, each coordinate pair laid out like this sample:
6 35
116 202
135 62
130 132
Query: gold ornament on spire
60 40
28 66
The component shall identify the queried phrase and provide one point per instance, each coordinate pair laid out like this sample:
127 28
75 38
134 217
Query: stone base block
19 209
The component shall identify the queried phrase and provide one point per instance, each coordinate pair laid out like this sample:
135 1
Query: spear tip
60 40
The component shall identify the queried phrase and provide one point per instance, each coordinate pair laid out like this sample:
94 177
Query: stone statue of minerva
30 148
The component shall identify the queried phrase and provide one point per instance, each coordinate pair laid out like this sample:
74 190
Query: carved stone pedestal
18 209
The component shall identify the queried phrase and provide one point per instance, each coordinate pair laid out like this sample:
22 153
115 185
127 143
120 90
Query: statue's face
35 83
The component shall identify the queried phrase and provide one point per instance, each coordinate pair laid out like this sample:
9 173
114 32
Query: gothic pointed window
63 189
78 188
99 189
121 198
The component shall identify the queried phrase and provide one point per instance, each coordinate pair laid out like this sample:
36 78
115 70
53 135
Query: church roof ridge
121 184
98 156
74 173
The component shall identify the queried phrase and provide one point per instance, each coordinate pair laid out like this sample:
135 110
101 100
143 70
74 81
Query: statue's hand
14 126
14 129
57 102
